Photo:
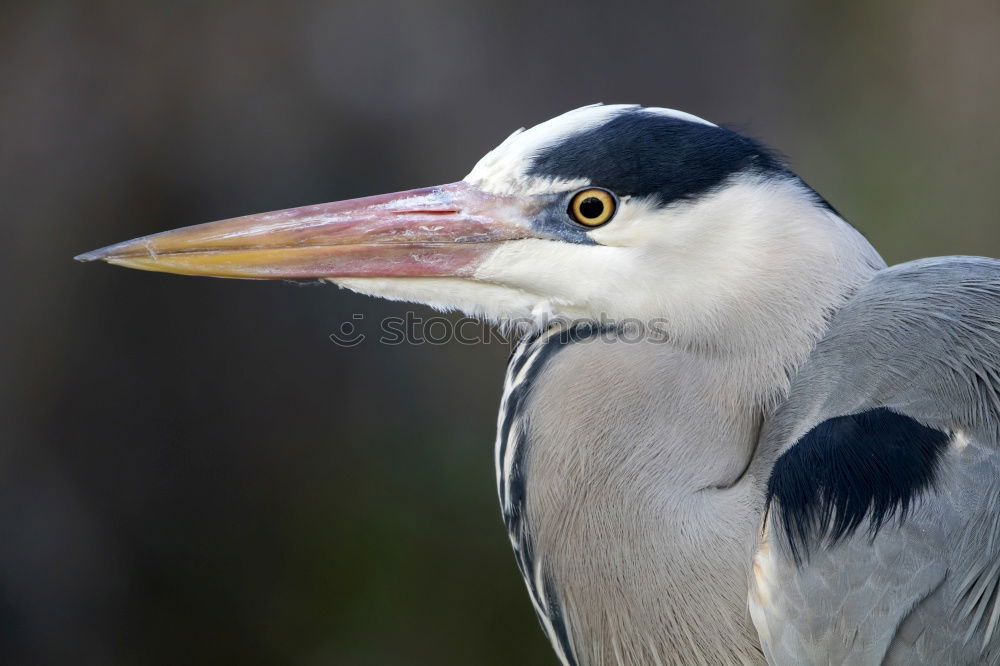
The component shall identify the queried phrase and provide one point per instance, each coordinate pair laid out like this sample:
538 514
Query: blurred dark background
191 472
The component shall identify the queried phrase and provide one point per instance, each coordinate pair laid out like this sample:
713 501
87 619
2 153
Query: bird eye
592 207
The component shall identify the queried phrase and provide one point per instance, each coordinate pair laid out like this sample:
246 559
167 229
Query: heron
729 433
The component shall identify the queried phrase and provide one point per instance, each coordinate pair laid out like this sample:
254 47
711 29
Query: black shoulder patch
646 153
849 469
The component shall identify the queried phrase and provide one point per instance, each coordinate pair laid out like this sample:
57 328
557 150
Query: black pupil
591 208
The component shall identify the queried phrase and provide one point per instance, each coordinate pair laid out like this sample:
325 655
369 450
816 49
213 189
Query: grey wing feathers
881 543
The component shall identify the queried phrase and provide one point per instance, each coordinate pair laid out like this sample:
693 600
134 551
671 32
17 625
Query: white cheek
493 302
578 280
638 222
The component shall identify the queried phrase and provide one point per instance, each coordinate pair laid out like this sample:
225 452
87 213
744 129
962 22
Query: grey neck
642 521
634 499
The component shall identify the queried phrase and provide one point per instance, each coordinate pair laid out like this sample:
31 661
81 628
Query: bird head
603 213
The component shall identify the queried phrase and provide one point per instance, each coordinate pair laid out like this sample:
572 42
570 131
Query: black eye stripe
647 154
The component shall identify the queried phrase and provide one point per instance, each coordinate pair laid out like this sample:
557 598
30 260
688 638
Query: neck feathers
621 465
778 263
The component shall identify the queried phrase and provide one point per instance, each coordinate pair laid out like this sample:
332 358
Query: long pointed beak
437 231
